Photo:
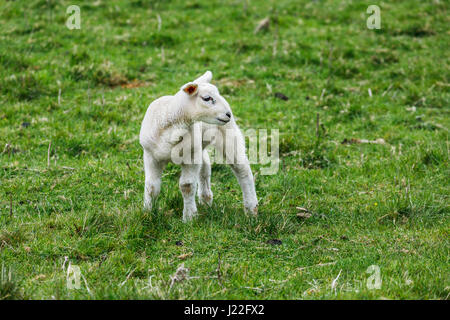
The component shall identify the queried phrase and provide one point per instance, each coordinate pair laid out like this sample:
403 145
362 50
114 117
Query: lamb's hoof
206 199
147 205
189 215
253 210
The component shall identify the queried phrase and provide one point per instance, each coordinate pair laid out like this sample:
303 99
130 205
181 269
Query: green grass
372 204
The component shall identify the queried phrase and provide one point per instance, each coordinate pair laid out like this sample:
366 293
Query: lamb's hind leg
188 187
153 171
205 194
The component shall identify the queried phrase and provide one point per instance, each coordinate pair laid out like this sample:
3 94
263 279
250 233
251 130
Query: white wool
168 115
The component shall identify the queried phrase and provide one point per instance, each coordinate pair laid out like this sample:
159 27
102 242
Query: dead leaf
358 141
281 96
40 277
179 243
274 242
303 213
262 25
135 84
185 255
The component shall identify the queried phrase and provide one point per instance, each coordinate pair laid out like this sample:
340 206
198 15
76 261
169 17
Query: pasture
359 208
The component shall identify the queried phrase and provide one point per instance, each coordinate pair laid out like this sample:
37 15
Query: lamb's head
205 102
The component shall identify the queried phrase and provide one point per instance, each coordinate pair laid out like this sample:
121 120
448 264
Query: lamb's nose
228 114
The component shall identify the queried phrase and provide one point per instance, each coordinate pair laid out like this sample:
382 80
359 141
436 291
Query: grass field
71 169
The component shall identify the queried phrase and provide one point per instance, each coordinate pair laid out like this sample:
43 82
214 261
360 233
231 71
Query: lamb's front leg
188 187
245 177
205 194
234 150
153 171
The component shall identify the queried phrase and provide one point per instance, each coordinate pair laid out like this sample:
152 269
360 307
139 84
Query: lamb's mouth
224 121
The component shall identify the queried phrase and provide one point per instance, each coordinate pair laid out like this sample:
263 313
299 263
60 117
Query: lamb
172 123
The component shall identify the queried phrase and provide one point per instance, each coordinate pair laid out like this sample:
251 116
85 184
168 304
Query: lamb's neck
176 114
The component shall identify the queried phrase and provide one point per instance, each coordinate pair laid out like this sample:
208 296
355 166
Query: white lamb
171 121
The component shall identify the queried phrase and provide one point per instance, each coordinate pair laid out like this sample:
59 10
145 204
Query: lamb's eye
207 98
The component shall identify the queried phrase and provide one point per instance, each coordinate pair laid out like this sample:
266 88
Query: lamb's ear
190 88
206 77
